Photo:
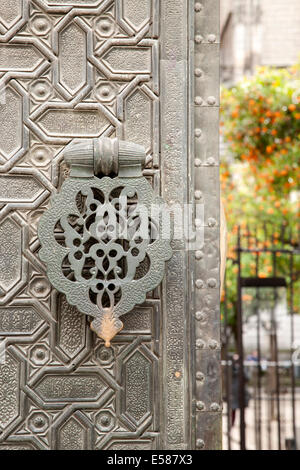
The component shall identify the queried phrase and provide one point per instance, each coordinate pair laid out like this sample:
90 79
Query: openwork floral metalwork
105 246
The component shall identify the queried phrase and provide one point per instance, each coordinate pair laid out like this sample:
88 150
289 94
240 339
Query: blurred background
260 173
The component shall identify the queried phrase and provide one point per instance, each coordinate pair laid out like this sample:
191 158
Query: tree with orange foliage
260 173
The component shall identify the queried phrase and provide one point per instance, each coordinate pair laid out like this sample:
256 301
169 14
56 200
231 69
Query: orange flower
297 116
247 297
273 132
277 204
270 210
269 149
292 107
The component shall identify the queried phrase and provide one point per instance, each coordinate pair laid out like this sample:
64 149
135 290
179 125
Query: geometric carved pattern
9 400
91 68
71 327
18 320
69 387
138 377
10 254
71 435
71 68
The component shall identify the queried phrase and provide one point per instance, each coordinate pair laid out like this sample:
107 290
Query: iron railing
263 389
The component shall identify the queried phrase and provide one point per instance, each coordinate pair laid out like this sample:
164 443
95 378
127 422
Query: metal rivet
198 194
211 222
211 282
197 162
104 420
198 39
199 254
213 344
199 284
210 161
211 100
200 344
198 100
211 38
200 405
200 316
198 72
200 444
198 6
215 407
200 376
198 132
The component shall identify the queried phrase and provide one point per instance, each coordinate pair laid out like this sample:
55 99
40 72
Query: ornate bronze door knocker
105 238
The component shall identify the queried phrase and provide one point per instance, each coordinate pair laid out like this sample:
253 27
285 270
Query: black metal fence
261 341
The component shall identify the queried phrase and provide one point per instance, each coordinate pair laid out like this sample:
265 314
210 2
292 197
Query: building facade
258 32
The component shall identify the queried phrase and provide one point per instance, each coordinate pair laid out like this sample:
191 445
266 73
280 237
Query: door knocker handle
106 237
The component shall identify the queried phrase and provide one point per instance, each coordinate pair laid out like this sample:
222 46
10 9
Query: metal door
145 71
